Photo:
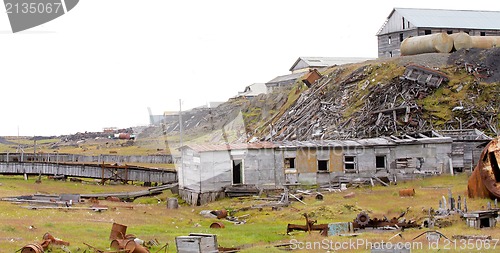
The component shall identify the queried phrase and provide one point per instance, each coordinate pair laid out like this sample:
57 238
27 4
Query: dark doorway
237 172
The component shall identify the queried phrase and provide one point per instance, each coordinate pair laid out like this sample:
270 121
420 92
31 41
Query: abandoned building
303 64
404 22
208 169
283 81
253 90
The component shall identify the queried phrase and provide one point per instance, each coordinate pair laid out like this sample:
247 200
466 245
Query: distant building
253 90
403 23
303 64
282 81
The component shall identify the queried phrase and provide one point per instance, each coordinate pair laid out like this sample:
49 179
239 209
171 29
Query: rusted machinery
48 239
310 226
363 220
485 179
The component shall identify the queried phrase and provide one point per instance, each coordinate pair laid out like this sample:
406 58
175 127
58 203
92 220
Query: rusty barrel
118 231
32 248
407 192
172 203
134 247
485 179
217 225
220 213
118 244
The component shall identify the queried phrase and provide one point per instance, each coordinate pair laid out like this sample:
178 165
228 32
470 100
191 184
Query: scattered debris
196 243
431 235
349 195
217 225
363 221
407 192
309 226
472 237
340 228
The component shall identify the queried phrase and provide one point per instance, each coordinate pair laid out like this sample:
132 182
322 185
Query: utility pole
180 141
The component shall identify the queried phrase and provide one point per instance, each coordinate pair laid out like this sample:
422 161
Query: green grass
148 219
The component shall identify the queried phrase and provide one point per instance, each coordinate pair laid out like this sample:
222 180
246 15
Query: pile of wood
358 106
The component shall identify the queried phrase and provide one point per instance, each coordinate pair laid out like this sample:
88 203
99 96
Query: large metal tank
485 42
432 43
461 40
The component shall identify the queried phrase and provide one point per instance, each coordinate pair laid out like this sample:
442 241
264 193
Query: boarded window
380 162
289 163
401 37
349 163
427 32
322 165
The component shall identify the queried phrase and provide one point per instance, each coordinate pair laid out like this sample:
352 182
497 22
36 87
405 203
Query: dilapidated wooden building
207 170
406 22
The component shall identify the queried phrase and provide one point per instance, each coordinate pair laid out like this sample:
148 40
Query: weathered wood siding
87 171
51 157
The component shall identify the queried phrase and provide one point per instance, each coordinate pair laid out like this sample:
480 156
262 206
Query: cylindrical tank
485 42
32 248
172 203
461 40
432 43
133 247
124 136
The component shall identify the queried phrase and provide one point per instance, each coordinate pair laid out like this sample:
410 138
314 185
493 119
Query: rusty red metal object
309 226
311 77
485 179
364 221
53 240
407 192
217 225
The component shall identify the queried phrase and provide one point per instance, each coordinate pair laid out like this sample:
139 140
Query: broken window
390 40
427 32
483 33
404 23
380 162
349 163
237 171
401 37
322 165
449 32
289 163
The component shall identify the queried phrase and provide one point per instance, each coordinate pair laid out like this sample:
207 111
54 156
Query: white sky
104 62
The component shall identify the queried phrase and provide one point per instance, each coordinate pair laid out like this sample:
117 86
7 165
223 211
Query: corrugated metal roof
286 77
337 143
226 147
468 19
319 62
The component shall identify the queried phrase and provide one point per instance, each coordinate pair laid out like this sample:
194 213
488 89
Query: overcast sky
104 62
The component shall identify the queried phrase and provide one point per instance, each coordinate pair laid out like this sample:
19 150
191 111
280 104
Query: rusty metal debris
407 192
311 77
309 226
363 221
484 181
48 240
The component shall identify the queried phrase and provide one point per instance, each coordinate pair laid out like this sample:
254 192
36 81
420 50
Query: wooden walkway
104 172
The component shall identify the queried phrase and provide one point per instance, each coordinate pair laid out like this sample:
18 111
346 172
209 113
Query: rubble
309 226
